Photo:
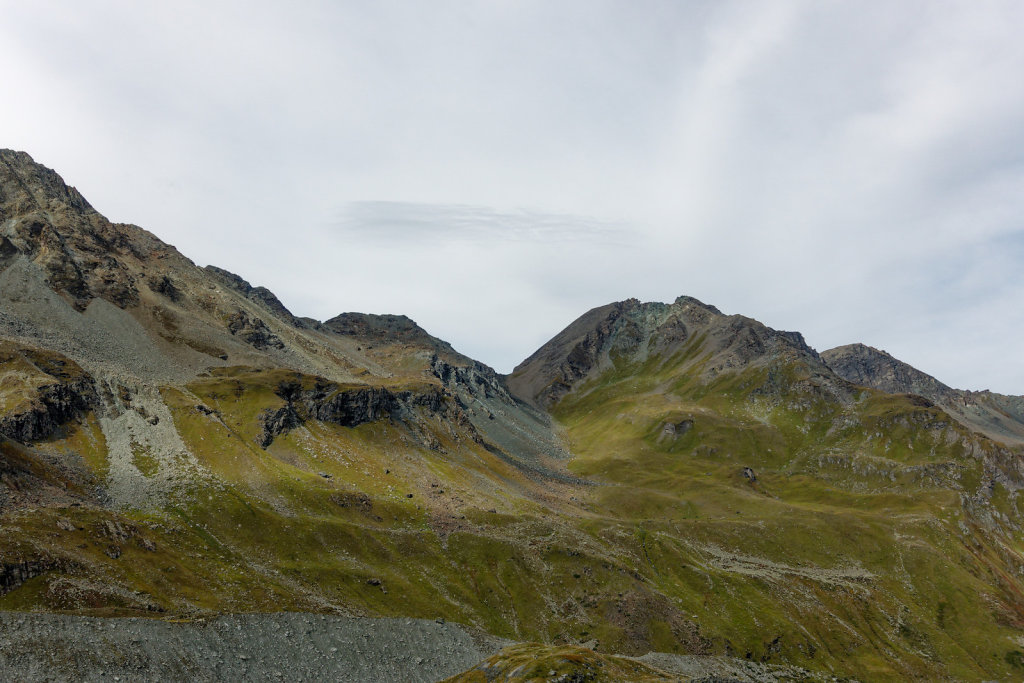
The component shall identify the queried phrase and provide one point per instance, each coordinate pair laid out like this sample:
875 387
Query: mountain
995 415
660 481
630 332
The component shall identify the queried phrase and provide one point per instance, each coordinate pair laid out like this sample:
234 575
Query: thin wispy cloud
403 223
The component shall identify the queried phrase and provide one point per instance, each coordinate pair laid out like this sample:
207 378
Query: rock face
345 406
476 379
996 415
870 367
254 331
41 392
14 574
53 406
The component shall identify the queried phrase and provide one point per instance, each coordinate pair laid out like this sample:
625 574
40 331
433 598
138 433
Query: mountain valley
660 492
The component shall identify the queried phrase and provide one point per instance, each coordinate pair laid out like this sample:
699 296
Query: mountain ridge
658 477
998 416
603 335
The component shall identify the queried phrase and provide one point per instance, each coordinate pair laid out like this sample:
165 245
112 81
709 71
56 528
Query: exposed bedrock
54 405
348 407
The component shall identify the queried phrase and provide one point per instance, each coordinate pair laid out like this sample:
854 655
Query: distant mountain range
176 444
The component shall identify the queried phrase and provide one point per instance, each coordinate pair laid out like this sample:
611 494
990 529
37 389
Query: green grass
846 553
539 662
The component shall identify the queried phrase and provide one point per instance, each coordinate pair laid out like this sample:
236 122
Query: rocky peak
82 254
27 186
372 325
630 331
389 329
995 415
871 367
691 301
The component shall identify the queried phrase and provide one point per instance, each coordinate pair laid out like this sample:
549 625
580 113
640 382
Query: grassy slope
476 542
850 552
537 662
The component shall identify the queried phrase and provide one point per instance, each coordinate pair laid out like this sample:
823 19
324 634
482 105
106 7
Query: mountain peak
631 331
995 415
389 328
28 184
685 300
868 366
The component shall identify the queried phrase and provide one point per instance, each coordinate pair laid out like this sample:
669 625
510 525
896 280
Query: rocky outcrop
253 331
53 406
260 295
873 368
350 408
13 574
83 255
164 285
43 391
476 379
276 422
345 406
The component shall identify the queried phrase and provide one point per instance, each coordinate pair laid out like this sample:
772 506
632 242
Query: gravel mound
255 647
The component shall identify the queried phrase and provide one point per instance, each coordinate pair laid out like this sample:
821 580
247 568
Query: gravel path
257 647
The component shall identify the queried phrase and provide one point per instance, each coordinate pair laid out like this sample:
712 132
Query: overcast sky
852 170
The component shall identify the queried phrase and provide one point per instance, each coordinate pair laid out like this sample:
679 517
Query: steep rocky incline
83 255
131 315
996 415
